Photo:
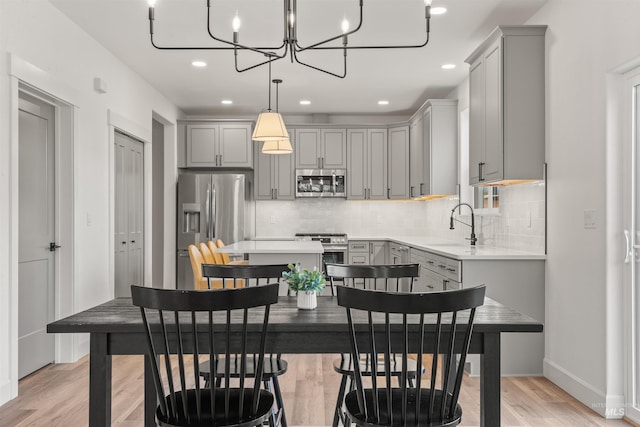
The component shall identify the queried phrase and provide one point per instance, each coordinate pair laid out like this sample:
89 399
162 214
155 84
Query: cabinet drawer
359 258
359 246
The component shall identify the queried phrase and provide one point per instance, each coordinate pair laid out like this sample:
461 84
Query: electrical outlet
89 220
272 219
590 218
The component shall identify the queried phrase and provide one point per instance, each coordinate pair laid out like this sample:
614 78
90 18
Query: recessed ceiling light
227 101
199 64
448 66
305 102
438 10
383 102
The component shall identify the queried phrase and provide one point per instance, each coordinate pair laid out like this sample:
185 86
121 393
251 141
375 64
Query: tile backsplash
520 223
356 218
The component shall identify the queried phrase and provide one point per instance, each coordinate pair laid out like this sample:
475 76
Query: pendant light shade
270 127
282 146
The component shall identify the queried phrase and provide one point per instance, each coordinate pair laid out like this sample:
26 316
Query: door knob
53 246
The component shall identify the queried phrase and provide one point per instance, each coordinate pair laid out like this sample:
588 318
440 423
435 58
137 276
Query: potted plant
306 284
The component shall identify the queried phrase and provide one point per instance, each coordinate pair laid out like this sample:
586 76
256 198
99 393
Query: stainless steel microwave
321 183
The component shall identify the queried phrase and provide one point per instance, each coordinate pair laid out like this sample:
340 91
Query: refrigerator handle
207 210
213 212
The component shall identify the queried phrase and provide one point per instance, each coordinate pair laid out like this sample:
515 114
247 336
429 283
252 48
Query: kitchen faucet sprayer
472 225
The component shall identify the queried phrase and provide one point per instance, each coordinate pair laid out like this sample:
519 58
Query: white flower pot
307 300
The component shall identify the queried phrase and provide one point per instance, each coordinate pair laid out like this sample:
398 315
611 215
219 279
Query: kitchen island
305 252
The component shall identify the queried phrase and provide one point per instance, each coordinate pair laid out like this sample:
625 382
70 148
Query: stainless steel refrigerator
210 206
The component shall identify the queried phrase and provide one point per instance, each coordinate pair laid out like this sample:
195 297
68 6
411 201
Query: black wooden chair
238 276
391 278
371 332
178 323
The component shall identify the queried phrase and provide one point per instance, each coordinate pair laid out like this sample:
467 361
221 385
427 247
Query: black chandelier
290 45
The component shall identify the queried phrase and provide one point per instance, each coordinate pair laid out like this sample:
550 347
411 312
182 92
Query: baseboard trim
5 392
610 407
630 421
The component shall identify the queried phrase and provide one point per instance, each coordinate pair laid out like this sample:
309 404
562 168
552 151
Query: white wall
585 40
39 34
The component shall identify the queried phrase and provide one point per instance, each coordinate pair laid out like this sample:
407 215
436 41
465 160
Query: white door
129 205
36 246
632 288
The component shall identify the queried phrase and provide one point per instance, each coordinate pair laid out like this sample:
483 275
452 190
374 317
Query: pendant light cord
269 109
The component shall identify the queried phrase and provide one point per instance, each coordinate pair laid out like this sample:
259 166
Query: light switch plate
590 218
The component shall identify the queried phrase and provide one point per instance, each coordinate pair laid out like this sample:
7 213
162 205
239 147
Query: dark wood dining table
115 327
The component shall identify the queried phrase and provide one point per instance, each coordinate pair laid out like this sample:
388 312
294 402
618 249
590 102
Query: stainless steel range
335 246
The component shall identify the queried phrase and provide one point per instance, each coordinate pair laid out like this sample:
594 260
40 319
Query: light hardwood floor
57 395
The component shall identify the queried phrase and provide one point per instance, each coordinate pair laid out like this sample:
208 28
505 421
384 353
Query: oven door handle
335 248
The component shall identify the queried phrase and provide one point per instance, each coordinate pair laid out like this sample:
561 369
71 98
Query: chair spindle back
181 322
369 315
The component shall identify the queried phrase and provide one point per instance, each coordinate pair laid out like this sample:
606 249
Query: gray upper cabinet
366 164
507 106
398 164
307 148
416 149
440 148
274 175
211 144
321 148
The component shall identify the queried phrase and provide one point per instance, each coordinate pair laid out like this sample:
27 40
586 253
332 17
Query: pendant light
277 146
269 125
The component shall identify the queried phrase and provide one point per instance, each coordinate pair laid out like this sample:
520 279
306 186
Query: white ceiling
404 77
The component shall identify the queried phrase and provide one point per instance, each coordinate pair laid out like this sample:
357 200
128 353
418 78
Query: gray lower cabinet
398 163
274 175
320 148
437 273
518 284
359 252
507 105
368 252
366 164
215 144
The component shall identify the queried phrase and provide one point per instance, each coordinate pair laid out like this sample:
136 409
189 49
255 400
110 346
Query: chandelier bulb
235 24
151 3
428 2
345 25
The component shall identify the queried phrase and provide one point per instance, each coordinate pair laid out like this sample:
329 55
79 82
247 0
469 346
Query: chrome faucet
472 225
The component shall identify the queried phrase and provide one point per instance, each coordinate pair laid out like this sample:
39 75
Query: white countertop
273 247
457 250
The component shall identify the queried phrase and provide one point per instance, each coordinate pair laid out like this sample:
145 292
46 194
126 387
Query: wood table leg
150 396
99 381
490 381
